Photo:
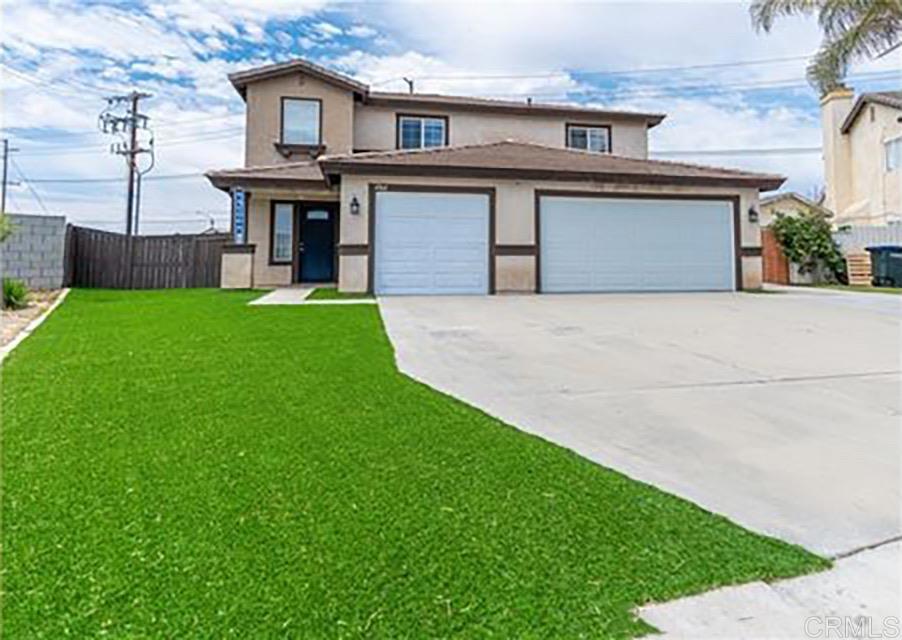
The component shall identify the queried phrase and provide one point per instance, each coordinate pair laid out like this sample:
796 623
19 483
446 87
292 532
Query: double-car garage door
631 244
438 243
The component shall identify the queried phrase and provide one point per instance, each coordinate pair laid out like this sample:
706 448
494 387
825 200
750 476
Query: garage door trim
424 188
734 200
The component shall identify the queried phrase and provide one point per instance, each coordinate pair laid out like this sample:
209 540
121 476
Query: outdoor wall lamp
753 215
355 206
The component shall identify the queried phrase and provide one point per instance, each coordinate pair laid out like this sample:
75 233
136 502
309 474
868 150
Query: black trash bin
886 266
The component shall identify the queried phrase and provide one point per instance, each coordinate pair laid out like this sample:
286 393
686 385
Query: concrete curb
31 326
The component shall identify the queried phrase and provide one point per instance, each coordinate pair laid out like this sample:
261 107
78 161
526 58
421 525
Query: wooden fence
102 259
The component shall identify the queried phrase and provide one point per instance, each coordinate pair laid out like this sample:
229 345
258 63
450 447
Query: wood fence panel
102 259
775 265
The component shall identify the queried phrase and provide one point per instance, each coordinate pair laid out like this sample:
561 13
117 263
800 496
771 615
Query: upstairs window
420 132
589 138
893 149
301 121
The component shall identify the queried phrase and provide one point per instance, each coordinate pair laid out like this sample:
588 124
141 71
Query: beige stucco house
789 203
401 193
863 156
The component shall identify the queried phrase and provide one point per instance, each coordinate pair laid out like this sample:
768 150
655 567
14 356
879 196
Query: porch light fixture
753 215
355 206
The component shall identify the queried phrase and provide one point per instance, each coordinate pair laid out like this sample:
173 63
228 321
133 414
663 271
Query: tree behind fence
102 259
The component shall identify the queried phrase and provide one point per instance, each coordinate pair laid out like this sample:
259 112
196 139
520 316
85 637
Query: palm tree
853 30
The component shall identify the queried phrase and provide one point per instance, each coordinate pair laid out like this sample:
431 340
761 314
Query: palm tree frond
765 12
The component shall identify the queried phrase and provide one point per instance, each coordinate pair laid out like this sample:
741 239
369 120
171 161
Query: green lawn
842 287
178 464
331 293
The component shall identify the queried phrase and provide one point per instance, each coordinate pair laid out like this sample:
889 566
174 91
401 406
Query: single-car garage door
632 244
431 243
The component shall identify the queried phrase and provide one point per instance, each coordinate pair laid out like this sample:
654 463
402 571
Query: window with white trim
588 138
420 132
300 121
282 232
893 153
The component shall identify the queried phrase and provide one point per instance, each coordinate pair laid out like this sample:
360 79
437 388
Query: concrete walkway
862 588
301 295
284 295
781 412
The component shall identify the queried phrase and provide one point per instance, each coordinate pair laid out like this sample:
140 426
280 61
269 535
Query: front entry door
317 241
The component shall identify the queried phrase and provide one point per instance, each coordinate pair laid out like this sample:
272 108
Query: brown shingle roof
886 98
240 79
520 160
522 107
292 174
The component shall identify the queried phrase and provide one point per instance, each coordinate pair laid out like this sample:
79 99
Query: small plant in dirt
15 294
807 240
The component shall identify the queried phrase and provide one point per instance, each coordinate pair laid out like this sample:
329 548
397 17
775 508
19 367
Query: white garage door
431 243
614 244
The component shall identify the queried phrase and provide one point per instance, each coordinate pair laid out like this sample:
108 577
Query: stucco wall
264 116
515 220
375 129
859 189
875 192
236 271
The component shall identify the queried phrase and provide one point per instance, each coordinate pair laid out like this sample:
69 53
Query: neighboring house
789 203
776 268
863 156
409 193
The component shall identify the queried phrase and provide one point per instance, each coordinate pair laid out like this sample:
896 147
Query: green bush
807 240
15 294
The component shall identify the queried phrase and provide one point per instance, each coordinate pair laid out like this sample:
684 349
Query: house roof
521 160
420 100
798 197
240 79
891 99
292 174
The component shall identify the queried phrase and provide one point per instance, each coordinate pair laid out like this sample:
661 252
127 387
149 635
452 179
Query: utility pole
127 126
6 151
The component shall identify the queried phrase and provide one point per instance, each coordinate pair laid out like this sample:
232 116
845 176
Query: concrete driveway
780 411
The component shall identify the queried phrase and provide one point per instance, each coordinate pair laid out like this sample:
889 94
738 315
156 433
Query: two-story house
399 193
863 156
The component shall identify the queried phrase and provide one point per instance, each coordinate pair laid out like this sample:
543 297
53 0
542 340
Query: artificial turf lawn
331 293
178 464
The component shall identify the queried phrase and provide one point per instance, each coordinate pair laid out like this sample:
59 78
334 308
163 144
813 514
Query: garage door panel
431 243
600 244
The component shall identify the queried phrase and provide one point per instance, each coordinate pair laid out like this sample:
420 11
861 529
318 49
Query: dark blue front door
318 242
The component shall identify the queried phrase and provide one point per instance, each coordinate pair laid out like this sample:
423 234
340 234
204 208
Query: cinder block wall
34 253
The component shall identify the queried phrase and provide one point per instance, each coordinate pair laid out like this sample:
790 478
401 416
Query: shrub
807 240
15 294
6 227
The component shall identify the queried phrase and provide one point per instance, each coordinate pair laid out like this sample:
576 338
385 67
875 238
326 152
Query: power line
615 72
175 176
28 184
76 87
759 151
773 151
208 136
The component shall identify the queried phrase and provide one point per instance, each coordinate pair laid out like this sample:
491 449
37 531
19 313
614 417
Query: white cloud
362 31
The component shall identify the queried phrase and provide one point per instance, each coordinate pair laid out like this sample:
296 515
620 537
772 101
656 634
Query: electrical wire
28 184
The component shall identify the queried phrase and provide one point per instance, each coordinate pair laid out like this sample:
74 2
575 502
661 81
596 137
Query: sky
733 97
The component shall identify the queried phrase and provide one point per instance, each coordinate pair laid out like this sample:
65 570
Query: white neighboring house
863 156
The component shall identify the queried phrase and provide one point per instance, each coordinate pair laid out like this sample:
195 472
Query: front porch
285 222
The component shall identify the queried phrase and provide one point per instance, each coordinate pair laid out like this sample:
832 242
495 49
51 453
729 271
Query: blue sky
60 58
